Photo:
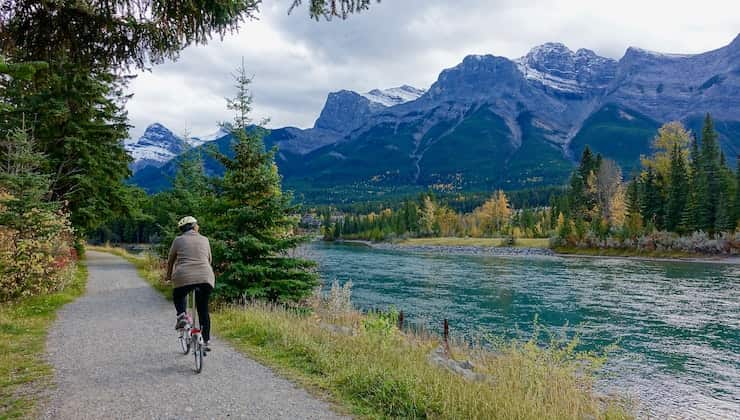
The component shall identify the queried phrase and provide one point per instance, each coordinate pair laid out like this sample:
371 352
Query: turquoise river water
676 324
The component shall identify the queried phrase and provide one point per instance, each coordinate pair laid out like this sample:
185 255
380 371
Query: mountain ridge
484 121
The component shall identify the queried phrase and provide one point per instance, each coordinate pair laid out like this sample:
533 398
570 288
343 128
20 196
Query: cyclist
189 268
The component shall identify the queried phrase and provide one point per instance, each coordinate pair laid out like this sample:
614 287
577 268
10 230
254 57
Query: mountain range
489 122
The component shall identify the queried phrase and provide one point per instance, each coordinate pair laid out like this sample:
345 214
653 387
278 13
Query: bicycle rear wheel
198 353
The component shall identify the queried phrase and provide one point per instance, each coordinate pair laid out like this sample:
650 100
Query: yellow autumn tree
669 135
427 216
447 220
494 214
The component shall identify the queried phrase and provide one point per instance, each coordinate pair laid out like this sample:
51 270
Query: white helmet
187 220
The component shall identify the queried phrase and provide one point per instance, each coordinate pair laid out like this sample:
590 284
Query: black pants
202 293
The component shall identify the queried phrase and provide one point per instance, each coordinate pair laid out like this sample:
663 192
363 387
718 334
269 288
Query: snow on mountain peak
158 145
556 66
394 96
197 141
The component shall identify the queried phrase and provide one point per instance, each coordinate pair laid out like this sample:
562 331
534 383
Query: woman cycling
189 268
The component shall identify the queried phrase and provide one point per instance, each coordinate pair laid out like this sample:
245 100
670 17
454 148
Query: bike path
115 356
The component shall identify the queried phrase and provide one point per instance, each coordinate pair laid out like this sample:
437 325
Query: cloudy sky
296 61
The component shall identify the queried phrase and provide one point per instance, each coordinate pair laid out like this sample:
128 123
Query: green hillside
538 161
473 153
620 134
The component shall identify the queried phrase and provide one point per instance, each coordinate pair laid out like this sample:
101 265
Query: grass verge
25 374
480 242
366 365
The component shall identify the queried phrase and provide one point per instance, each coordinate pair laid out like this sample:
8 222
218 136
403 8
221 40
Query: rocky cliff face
674 86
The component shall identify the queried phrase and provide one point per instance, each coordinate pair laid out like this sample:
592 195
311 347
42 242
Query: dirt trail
115 356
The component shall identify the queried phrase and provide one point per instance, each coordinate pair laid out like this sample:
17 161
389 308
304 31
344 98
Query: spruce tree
191 195
651 204
709 188
678 190
725 220
253 223
582 199
78 122
689 219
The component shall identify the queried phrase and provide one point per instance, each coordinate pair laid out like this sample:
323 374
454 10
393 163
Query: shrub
35 252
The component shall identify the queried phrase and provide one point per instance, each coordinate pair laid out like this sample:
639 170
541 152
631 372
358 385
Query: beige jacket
190 260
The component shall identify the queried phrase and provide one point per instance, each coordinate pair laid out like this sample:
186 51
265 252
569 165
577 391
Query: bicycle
190 336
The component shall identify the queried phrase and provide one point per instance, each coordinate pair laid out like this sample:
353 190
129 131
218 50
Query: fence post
400 320
446 336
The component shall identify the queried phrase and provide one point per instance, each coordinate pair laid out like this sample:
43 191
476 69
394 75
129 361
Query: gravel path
115 355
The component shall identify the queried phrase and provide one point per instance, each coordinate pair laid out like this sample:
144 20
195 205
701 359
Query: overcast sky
296 61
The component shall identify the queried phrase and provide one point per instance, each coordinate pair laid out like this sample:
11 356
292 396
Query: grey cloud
297 61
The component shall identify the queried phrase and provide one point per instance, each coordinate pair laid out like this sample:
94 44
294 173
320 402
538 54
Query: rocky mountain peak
556 66
155 147
345 110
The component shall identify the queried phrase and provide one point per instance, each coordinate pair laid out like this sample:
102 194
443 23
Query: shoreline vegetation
368 366
533 248
25 374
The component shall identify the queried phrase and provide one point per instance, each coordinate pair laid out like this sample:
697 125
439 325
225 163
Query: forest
685 197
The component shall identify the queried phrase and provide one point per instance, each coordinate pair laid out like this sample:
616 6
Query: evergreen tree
79 125
334 8
191 195
253 225
690 216
633 198
708 189
725 220
582 197
650 200
678 190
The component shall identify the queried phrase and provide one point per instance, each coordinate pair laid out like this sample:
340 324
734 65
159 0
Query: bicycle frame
191 338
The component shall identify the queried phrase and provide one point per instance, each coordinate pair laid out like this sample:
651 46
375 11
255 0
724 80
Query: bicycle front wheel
184 343
198 354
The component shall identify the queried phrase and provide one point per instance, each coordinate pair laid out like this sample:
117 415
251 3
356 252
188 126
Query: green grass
380 372
24 372
480 242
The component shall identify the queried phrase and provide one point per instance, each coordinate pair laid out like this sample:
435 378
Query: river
676 324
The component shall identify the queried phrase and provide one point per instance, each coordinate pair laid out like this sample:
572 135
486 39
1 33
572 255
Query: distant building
310 221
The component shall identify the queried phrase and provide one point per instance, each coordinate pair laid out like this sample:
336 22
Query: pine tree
79 125
582 185
725 220
678 190
253 226
709 188
690 216
650 200
191 195
633 198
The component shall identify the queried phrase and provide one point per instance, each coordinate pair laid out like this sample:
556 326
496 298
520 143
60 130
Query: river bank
673 323
494 250
367 365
